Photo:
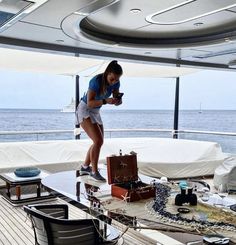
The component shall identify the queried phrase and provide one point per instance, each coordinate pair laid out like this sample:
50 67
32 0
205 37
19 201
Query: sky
214 90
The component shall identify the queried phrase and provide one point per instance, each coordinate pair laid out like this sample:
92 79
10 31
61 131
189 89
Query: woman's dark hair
113 67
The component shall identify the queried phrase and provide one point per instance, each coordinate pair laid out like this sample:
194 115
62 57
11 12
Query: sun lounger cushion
173 158
225 175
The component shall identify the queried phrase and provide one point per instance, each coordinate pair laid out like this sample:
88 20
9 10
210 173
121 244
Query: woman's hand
115 95
111 101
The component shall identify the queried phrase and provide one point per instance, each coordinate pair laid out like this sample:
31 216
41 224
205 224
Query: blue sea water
208 120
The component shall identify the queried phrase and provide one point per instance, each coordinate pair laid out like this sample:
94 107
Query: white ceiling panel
182 32
54 11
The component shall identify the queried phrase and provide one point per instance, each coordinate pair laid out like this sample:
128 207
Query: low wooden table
13 181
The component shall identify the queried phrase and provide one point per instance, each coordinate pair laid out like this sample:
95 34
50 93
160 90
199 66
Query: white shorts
83 112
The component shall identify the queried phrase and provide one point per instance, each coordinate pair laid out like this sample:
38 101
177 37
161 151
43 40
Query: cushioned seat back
57 212
38 214
52 227
84 234
40 232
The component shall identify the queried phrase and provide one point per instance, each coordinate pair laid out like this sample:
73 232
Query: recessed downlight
198 24
135 11
60 41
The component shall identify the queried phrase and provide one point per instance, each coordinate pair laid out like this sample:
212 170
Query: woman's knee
98 142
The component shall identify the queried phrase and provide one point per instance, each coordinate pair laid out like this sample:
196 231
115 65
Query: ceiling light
198 23
80 13
135 11
60 41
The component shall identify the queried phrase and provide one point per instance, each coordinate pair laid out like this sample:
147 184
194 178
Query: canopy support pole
77 99
176 110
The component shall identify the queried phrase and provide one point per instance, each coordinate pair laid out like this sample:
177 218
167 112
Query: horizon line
130 109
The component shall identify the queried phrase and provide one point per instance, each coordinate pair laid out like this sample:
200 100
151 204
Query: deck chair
52 227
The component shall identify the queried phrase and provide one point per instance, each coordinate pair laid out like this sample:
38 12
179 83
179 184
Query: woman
88 114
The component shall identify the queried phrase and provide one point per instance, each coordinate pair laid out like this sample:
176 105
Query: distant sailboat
200 108
70 107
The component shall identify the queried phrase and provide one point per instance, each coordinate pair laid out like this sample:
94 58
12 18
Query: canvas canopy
28 61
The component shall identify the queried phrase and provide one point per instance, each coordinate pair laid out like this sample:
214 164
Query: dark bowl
27 172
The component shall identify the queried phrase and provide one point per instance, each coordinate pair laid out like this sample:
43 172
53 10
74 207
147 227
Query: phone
119 96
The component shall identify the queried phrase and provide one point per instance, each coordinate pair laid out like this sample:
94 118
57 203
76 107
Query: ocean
208 120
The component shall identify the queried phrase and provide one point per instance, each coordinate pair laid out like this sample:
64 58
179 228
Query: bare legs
96 134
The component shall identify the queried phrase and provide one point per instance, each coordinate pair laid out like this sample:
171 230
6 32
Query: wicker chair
52 227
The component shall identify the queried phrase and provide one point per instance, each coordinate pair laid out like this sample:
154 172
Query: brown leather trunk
123 177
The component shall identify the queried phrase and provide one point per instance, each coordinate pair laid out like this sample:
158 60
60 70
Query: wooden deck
15 227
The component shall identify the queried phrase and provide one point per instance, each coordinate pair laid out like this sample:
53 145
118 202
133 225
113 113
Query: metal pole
77 99
176 112
77 96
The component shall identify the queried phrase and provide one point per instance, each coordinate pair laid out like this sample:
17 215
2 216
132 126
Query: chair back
52 227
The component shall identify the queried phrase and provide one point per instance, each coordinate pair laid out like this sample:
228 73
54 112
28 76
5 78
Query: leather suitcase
123 178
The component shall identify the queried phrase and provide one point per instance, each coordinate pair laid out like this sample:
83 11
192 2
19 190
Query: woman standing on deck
88 113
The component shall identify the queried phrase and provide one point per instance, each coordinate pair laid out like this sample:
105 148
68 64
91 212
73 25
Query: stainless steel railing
41 132
227 140
206 132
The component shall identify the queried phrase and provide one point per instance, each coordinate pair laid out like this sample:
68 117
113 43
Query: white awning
148 70
28 61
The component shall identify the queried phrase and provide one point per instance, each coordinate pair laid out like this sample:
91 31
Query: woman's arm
91 102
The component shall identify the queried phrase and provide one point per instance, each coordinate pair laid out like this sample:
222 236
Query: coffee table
13 181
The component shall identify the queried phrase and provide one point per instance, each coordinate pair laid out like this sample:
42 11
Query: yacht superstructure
177 33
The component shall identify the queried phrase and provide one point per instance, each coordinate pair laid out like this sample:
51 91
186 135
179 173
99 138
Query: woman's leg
102 130
87 159
96 135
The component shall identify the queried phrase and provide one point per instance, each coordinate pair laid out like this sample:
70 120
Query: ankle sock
85 166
